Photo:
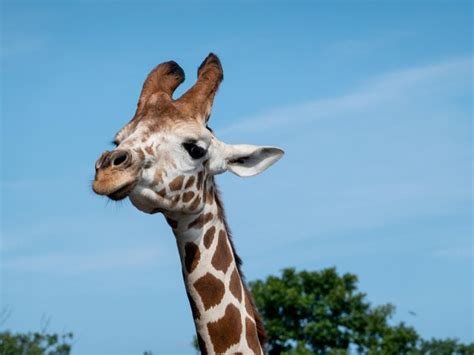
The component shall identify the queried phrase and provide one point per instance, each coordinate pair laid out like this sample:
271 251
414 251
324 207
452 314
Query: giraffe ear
249 160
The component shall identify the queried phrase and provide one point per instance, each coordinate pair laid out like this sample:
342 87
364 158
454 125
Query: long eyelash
191 141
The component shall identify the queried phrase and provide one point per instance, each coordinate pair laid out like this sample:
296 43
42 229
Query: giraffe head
165 154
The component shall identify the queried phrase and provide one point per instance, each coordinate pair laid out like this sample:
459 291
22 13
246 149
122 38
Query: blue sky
372 102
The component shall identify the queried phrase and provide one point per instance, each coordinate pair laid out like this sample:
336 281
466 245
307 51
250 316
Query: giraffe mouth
122 192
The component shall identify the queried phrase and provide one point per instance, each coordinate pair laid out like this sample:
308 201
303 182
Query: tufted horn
198 100
164 78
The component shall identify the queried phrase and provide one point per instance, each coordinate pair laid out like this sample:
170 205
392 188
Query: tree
445 347
35 344
324 313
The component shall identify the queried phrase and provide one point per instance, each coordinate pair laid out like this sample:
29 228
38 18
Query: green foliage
34 344
318 309
195 343
445 347
324 313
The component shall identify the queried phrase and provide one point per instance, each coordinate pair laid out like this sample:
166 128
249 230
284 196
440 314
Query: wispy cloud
375 92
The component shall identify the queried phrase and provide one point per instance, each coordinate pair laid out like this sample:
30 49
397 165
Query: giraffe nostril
120 158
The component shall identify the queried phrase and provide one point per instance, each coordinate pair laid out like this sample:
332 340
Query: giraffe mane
262 335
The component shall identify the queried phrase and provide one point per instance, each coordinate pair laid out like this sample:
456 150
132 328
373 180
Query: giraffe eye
194 151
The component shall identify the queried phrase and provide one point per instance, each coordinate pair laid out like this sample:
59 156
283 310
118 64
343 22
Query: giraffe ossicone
165 161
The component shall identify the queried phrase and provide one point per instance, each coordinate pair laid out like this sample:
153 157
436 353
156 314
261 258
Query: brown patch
161 193
194 309
251 336
226 331
175 200
195 203
190 182
209 236
191 256
188 196
199 180
209 197
248 305
223 256
149 149
200 221
210 289
177 183
235 285
172 223
158 177
253 313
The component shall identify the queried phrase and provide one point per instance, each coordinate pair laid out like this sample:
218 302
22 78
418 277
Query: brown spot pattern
248 304
208 197
191 256
175 200
223 256
251 336
209 236
199 180
195 203
188 196
177 183
226 331
149 149
190 182
158 177
161 193
200 221
235 286
210 289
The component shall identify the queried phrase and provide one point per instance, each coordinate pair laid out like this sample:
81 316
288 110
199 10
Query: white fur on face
164 159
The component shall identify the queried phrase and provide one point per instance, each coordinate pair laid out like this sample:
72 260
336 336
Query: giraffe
165 161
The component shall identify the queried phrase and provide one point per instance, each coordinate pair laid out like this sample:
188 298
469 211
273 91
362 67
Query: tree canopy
321 312
35 343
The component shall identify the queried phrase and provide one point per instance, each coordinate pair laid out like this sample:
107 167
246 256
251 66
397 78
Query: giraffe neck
222 309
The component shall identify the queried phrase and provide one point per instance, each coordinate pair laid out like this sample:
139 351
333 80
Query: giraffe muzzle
115 174
115 159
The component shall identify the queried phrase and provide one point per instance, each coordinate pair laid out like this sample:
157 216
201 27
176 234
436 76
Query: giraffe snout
115 174
115 159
